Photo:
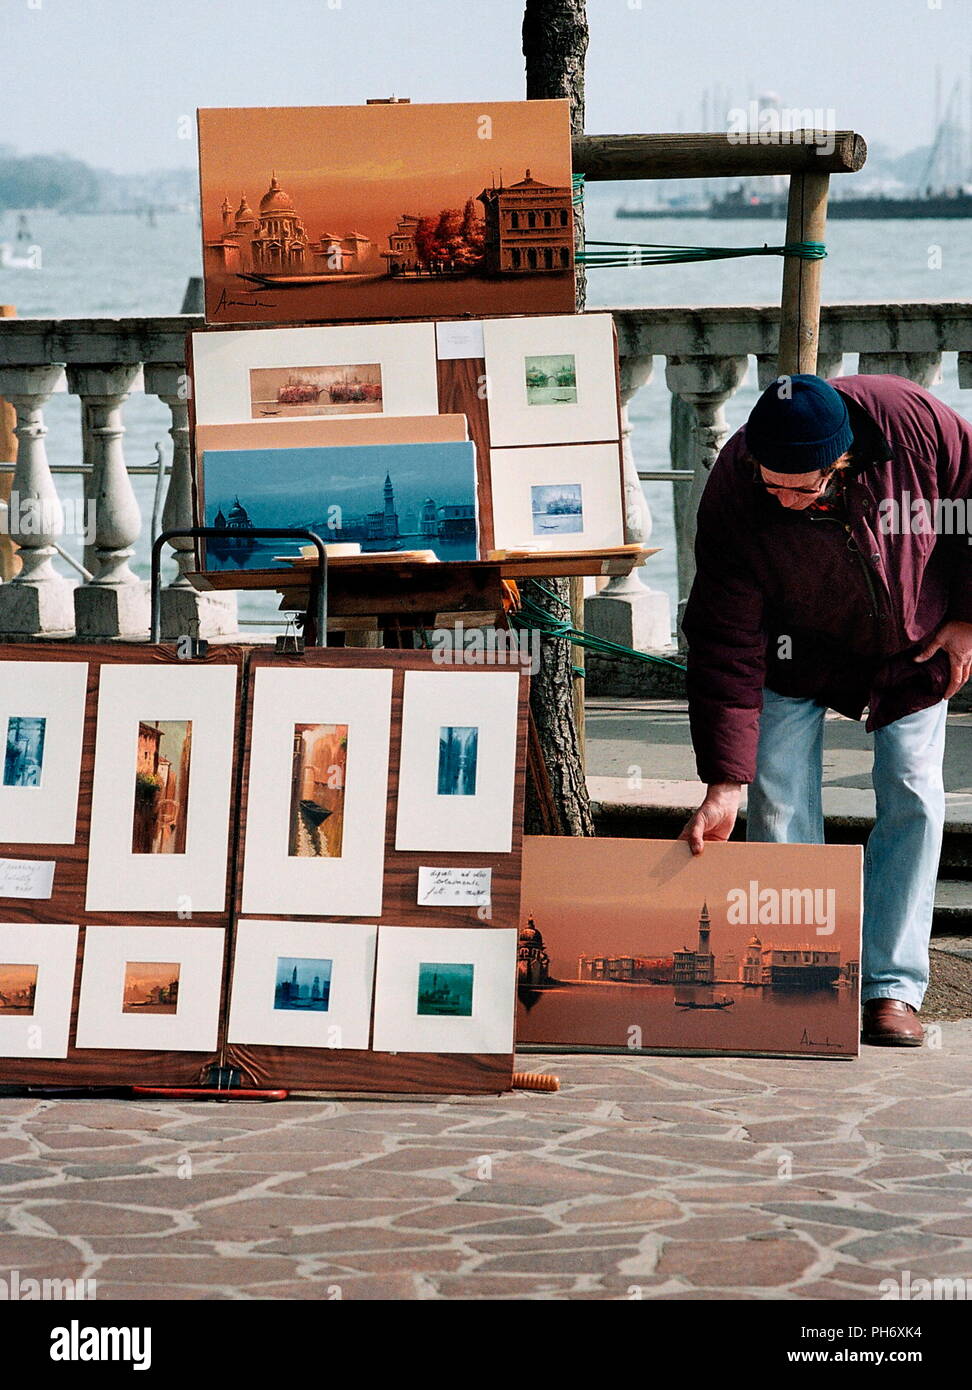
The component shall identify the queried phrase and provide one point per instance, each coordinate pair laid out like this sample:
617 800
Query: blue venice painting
302 984
381 496
458 755
557 508
445 988
24 758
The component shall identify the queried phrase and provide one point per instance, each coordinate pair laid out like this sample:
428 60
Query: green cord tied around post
532 617
622 253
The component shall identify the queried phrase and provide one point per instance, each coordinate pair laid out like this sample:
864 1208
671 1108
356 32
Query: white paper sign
444 887
459 338
26 878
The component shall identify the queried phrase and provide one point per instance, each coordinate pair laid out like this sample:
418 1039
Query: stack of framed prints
371 290
336 907
747 949
382 436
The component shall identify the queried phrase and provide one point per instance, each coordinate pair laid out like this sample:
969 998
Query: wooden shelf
367 592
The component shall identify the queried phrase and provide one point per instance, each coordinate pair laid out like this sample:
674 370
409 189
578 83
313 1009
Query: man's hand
956 639
717 815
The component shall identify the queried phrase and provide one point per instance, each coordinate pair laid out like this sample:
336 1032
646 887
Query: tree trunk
554 45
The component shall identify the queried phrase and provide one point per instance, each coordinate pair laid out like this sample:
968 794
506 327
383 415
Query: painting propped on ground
386 211
637 945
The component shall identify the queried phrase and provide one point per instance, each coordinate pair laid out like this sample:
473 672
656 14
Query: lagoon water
112 266
760 1019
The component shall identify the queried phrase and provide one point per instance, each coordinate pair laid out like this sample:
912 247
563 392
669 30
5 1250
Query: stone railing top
931 325
28 342
676 330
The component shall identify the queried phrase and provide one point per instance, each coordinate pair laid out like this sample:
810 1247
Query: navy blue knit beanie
799 424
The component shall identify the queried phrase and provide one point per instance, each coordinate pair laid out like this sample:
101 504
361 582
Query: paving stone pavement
663 1178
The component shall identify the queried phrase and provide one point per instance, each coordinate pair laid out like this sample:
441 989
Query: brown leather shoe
891 1023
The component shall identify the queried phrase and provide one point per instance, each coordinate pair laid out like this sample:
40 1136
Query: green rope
531 616
657 253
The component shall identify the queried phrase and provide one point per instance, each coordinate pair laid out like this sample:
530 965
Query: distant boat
742 206
272 281
867 207
724 1003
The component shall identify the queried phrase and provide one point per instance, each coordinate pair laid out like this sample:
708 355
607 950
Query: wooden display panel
332 1069
357 1070
90 1066
461 388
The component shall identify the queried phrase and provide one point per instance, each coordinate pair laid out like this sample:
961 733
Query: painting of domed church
386 211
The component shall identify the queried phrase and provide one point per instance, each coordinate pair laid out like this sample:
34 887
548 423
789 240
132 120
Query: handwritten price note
26 878
454 887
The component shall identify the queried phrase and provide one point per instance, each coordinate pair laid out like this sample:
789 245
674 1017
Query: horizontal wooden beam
679 156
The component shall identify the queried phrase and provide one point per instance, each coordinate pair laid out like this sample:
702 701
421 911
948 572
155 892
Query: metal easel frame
317 603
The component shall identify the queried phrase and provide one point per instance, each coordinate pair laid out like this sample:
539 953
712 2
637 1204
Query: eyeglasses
783 487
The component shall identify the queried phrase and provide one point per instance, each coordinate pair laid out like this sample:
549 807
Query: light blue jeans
901 858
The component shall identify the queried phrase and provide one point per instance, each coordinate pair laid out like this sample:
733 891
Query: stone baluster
924 368
37 601
115 603
705 384
965 370
184 610
626 610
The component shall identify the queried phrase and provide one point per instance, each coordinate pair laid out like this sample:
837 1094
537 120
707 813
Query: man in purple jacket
835 571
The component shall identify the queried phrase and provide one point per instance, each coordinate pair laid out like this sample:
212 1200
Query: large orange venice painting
630 944
387 211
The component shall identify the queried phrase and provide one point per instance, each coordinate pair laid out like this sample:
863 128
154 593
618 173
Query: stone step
657 809
953 904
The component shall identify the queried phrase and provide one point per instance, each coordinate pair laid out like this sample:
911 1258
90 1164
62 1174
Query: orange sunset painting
18 988
638 945
151 987
386 211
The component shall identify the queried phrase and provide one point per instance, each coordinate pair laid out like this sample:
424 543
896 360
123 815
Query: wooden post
554 46
9 562
806 220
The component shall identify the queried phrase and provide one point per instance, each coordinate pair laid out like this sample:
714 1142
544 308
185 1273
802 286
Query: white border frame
478 824
596 467
221 364
594 415
275 881
53 948
194 1027
346 1023
55 691
401 950
118 880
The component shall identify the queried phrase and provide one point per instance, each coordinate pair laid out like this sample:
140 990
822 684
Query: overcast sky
111 81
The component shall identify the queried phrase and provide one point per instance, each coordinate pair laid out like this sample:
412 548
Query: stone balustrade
706 351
